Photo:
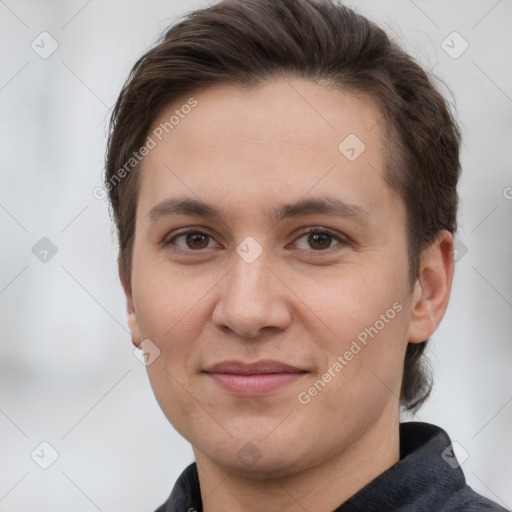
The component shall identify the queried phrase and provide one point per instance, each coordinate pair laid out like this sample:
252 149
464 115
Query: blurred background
79 426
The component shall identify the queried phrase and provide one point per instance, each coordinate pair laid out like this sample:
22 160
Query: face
280 322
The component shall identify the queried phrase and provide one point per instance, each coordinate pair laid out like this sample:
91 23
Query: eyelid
339 237
186 231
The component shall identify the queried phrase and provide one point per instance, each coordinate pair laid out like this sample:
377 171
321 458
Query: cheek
347 302
168 317
169 387
165 300
363 315
172 317
362 378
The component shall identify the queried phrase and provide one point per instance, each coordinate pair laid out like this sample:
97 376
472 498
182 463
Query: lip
253 379
257 368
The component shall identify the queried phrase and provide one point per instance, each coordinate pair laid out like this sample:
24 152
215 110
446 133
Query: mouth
253 379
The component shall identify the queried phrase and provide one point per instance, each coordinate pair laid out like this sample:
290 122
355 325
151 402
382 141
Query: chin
259 457
278 465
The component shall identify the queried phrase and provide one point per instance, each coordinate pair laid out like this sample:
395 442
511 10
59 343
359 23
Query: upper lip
258 367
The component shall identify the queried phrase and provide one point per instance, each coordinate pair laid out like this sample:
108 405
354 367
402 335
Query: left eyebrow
326 205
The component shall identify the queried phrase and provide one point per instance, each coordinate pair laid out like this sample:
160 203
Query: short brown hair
244 42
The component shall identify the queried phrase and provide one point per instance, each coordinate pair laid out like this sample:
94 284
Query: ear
432 289
133 323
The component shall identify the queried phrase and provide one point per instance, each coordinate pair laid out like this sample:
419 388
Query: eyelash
343 240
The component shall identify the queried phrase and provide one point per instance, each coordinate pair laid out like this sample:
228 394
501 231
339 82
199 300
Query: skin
301 301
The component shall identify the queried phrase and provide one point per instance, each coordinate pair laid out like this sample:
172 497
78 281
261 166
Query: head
252 108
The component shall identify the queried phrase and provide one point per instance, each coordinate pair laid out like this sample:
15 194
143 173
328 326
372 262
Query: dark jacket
427 478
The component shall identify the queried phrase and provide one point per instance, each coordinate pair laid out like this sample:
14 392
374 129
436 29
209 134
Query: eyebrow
326 205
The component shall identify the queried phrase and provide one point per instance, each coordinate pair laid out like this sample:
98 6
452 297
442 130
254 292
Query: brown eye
319 240
197 240
191 240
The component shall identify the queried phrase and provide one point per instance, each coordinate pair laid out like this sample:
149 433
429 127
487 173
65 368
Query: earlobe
133 322
433 287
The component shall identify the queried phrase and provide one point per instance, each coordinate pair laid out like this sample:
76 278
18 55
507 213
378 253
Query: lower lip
254 385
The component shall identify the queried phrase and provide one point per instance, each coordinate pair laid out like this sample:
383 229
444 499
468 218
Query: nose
252 299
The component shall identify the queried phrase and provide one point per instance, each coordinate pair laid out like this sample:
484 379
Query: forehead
284 137
283 110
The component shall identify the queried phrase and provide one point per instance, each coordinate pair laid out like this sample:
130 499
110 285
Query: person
283 180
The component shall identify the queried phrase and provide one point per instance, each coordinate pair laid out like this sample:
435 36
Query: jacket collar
427 477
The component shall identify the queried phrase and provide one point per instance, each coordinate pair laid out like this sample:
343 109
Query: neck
322 487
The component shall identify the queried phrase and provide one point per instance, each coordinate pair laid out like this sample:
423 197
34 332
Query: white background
67 372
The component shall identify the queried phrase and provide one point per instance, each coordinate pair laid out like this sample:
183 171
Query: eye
320 239
193 239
